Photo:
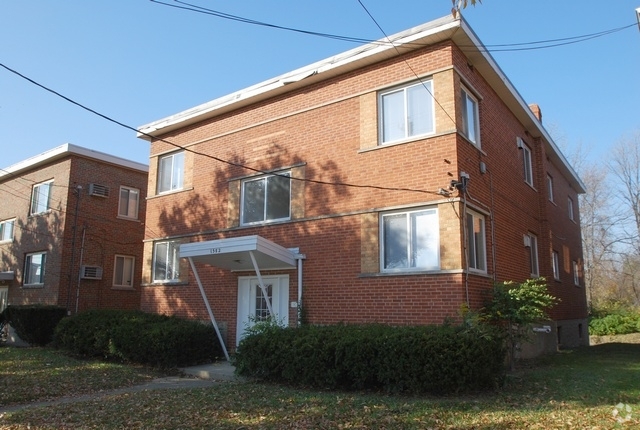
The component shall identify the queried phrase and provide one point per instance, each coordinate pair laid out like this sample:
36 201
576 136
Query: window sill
167 193
32 286
165 284
122 288
126 218
410 273
423 137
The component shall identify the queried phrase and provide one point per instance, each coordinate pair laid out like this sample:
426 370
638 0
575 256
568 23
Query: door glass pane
262 309
395 241
278 197
393 116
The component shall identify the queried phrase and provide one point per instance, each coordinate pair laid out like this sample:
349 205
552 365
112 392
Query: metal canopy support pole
206 303
264 290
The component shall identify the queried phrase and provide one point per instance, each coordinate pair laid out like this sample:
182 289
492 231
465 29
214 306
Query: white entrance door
4 297
252 305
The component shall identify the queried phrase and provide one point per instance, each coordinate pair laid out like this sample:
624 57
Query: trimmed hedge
138 337
426 359
34 324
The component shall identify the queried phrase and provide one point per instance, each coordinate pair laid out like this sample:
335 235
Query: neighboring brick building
71 230
389 184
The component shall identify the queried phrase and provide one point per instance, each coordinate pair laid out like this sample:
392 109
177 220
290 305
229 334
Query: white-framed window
123 270
166 261
550 187
555 261
171 172
406 112
531 241
570 208
41 197
476 241
527 164
267 198
410 240
34 265
576 273
128 203
470 117
6 230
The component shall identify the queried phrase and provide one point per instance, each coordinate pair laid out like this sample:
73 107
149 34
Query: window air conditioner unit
98 190
91 272
527 240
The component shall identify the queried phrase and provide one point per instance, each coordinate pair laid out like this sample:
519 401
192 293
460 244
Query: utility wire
221 160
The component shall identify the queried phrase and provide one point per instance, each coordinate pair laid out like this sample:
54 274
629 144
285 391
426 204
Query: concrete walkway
202 376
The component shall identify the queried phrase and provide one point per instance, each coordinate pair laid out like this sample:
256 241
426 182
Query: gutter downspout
84 230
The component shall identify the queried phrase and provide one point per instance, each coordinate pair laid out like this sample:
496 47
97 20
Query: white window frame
555 265
252 217
576 273
403 120
172 261
170 172
30 272
41 201
123 279
127 205
6 230
432 232
570 208
476 242
470 117
550 188
527 164
533 255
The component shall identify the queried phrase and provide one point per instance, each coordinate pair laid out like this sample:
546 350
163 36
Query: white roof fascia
70 149
324 69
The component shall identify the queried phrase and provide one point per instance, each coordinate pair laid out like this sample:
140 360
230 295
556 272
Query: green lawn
571 390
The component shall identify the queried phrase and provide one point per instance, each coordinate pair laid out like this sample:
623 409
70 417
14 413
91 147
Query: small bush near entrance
138 337
34 323
427 359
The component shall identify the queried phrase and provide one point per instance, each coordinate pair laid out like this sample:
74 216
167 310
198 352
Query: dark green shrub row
138 337
34 323
622 322
433 359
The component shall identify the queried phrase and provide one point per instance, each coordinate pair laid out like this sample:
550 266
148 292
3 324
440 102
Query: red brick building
71 230
392 183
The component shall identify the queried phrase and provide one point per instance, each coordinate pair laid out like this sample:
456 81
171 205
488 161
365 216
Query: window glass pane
395 241
424 240
40 198
470 118
419 115
34 269
178 171
160 263
393 116
6 230
253 201
262 310
124 202
528 175
278 197
118 275
164 174
173 261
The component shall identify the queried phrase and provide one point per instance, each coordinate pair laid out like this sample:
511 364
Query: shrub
34 324
620 322
135 336
428 359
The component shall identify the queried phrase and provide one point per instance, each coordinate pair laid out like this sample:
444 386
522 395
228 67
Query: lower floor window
123 271
166 261
34 265
410 240
476 242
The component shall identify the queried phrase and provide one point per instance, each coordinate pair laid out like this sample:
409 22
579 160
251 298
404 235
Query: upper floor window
406 112
123 271
527 163
41 197
34 264
550 187
476 242
531 242
166 261
470 117
570 208
6 230
128 205
171 172
267 198
555 261
410 240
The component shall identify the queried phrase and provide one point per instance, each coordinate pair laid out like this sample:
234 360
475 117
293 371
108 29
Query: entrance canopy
235 253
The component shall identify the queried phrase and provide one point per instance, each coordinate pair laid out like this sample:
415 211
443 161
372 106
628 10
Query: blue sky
138 61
